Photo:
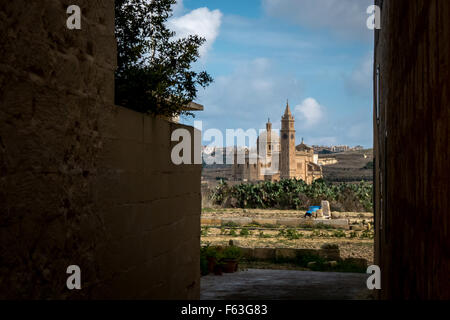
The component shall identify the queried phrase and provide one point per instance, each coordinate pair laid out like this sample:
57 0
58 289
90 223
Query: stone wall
411 140
82 181
151 212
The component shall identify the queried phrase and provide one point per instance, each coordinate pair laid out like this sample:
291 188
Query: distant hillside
351 166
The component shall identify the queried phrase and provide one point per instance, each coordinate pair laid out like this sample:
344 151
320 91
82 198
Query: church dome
303 147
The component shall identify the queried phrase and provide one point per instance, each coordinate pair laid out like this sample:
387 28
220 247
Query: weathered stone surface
330 254
238 221
83 181
357 261
336 223
247 252
264 253
289 222
285 253
211 221
332 263
265 221
357 227
326 209
336 215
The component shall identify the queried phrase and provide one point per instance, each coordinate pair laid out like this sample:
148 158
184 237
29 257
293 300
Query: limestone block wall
151 212
411 140
82 181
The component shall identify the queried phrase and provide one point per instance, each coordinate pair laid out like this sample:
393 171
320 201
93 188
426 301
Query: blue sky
316 53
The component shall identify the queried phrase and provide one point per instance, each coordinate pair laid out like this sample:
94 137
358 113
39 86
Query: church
278 157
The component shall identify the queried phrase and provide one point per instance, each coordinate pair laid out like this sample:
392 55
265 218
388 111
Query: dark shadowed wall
82 181
411 122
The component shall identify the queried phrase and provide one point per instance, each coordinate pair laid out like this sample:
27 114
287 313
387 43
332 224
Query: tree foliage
154 73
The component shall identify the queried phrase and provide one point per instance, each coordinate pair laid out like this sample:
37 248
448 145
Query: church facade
278 157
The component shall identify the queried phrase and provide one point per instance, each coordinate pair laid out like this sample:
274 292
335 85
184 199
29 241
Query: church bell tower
287 156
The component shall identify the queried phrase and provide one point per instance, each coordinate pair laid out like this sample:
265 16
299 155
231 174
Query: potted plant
218 268
230 259
212 256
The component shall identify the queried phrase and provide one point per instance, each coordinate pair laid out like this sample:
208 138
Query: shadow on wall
83 182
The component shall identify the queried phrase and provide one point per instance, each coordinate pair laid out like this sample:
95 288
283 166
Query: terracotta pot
230 266
217 270
211 264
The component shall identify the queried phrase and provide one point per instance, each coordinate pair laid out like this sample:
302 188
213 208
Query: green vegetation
353 234
339 234
367 234
317 263
369 165
290 234
269 226
204 231
296 194
154 69
244 232
231 252
230 224
262 235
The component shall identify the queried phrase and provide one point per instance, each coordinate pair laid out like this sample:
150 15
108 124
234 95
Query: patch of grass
292 234
253 225
318 234
262 235
339 234
230 224
244 232
204 231
269 226
367 234
233 233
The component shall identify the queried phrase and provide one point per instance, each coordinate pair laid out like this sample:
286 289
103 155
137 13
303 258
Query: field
352 166
356 243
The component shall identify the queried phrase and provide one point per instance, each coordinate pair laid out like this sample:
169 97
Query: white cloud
344 17
360 80
202 22
310 112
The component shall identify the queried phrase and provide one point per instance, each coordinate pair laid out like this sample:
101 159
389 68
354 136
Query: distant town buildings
279 157
275 157
336 149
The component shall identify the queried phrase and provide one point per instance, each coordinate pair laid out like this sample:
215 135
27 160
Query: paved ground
259 284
